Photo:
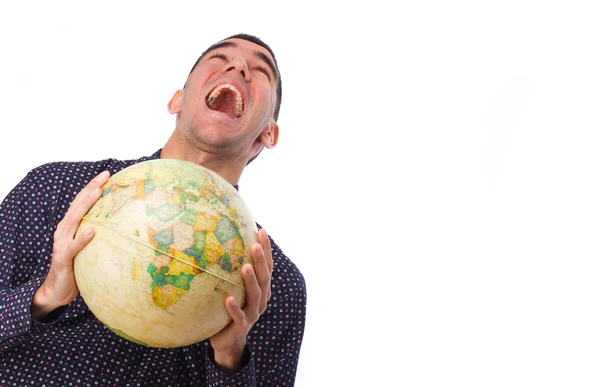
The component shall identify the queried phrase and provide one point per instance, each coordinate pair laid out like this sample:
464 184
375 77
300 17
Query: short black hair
255 40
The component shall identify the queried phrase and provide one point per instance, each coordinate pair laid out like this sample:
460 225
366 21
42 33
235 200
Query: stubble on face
205 130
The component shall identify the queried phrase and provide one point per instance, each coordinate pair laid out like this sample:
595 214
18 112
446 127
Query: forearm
41 305
45 301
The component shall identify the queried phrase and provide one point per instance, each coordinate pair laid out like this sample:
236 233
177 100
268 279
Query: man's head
258 41
230 102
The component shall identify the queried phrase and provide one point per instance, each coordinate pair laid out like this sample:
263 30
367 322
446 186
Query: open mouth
227 99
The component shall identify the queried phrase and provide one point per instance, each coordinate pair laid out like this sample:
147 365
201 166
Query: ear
174 104
270 135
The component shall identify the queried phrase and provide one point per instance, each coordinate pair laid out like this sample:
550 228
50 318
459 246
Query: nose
238 64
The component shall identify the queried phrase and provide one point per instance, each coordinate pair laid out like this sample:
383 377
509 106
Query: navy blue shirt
72 348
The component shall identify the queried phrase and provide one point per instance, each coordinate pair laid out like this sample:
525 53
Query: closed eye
264 71
218 55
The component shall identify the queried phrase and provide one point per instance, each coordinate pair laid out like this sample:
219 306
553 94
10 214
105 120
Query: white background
436 178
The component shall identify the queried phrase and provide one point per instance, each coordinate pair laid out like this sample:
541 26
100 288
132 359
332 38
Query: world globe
170 240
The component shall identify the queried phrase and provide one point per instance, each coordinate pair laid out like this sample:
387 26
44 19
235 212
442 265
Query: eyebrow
268 61
262 56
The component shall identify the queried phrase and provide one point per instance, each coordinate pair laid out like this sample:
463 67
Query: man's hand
229 344
59 288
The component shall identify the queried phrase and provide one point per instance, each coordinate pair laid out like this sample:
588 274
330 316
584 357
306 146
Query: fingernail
88 231
95 192
101 176
233 302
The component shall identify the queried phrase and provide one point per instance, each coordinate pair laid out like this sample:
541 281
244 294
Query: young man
226 114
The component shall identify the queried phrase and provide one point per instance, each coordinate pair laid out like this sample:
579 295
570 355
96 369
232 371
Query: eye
264 71
218 55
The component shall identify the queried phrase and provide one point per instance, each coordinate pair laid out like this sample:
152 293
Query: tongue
224 103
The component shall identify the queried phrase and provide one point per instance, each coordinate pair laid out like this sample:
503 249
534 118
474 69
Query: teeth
239 101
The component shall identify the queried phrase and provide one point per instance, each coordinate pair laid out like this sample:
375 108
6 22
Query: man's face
230 96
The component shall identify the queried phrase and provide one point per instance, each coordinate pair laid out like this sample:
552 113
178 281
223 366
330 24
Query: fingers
82 203
66 245
263 277
265 243
60 282
80 241
258 280
253 293
236 313
233 336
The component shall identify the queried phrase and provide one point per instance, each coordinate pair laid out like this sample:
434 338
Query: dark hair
255 40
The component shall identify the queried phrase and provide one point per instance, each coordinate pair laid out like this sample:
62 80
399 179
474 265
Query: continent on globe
171 238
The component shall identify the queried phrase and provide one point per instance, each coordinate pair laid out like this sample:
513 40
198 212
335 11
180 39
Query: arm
21 256
59 287
269 356
27 293
282 325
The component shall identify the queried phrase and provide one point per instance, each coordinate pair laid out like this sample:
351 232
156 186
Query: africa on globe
170 241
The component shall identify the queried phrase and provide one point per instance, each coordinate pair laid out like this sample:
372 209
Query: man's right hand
59 288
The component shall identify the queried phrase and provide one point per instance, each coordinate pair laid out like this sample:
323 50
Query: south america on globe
170 240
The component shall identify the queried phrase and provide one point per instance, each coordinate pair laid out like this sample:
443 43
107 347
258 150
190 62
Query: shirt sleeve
25 251
246 377
277 360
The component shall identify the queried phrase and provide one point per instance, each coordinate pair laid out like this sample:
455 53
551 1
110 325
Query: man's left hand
229 344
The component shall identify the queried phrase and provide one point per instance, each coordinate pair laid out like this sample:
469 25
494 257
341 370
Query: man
226 114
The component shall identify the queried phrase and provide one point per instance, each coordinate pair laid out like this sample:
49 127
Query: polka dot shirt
70 347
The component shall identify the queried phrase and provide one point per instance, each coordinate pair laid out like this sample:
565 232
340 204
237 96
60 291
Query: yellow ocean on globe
171 238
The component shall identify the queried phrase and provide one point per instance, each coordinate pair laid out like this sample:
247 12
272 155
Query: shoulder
73 175
55 184
65 179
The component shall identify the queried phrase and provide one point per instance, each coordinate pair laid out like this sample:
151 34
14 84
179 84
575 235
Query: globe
170 240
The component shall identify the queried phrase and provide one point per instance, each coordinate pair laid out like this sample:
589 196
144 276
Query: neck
229 168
